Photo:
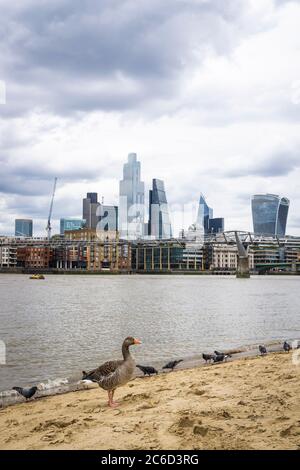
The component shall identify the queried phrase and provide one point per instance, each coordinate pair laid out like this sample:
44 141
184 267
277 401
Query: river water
61 325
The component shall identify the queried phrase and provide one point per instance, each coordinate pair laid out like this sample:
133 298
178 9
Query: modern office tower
205 213
216 225
159 219
131 206
89 210
269 214
99 216
93 197
107 218
206 223
23 227
70 224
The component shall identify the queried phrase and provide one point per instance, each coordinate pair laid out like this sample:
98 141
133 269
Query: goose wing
105 371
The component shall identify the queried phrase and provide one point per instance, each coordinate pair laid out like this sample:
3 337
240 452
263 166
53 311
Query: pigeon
227 356
219 357
147 370
286 346
262 350
172 364
26 392
208 357
217 353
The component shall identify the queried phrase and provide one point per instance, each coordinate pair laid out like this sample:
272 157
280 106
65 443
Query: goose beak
137 341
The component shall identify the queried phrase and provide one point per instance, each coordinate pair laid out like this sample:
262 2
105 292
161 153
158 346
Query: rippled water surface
59 326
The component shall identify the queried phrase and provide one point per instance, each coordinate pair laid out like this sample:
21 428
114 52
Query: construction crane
48 228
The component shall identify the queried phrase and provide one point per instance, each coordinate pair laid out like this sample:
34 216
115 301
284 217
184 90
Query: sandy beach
250 403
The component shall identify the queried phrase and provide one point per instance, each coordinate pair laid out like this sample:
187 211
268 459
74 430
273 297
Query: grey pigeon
172 364
217 353
26 392
286 346
147 370
219 358
208 357
262 350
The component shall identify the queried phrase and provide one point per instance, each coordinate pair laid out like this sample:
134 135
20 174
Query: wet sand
250 403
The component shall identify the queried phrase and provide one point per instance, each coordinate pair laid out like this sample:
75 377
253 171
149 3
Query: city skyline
213 108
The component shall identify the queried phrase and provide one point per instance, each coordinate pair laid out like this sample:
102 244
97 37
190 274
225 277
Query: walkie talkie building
269 214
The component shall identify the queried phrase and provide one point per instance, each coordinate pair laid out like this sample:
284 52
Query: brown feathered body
114 374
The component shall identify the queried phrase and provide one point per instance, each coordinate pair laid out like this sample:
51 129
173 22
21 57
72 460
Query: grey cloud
54 52
32 179
280 163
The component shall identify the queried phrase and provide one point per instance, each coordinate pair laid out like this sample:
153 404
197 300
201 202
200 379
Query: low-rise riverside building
157 256
8 256
225 258
96 250
91 250
35 257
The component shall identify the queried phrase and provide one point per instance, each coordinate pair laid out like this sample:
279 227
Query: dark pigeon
217 353
172 364
26 392
219 357
262 350
147 370
286 346
208 357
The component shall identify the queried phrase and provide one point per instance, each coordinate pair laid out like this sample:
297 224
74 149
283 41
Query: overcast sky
207 92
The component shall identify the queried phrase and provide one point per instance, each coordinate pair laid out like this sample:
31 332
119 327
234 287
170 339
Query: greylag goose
172 364
114 374
26 392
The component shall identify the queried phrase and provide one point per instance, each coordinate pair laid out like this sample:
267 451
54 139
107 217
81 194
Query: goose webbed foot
111 402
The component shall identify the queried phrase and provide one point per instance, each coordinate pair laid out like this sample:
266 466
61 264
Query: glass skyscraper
204 214
131 206
23 227
269 214
216 225
159 219
205 222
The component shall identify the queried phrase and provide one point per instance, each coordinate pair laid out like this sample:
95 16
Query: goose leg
111 403
112 397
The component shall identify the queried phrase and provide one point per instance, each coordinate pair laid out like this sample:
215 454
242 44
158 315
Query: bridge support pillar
243 270
243 267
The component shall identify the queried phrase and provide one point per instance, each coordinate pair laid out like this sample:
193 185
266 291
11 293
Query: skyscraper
206 223
216 225
269 214
23 227
159 219
89 210
204 214
99 216
131 206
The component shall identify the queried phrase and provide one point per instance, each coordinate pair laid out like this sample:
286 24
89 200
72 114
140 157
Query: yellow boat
37 276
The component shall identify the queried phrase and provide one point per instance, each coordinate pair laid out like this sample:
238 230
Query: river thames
64 324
